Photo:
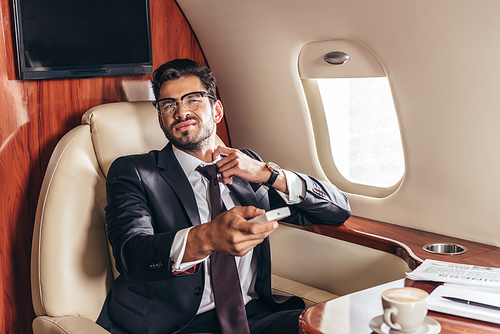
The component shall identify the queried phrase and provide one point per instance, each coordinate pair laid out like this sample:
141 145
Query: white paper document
475 294
439 271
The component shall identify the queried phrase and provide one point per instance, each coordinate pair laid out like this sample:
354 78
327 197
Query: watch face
274 166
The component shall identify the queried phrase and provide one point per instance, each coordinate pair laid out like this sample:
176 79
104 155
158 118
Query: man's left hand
236 163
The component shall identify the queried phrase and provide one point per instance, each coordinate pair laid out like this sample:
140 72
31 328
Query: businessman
189 260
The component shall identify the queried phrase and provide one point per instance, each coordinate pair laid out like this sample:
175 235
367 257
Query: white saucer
429 326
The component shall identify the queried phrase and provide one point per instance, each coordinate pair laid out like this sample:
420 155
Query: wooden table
352 313
405 242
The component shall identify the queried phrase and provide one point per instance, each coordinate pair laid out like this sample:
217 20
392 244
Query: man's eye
193 98
166 104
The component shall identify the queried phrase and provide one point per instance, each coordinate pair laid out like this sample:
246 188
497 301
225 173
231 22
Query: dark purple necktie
225 281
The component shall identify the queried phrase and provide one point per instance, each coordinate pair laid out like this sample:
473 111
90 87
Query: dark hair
179 68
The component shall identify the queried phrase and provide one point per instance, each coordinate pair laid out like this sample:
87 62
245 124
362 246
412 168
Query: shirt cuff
177 251
296 188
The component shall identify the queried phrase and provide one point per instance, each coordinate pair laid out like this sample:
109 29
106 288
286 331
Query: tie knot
209 171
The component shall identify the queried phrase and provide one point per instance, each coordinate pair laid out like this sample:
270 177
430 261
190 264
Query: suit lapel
173 174
245 194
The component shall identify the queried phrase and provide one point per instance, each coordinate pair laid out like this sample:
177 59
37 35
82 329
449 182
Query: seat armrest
66 325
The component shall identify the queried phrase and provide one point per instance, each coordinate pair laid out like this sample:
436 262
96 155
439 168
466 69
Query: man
167 235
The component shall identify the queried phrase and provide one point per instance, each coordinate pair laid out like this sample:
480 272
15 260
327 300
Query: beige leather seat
72 269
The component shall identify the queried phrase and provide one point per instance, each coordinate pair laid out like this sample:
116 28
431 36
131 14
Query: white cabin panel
442 61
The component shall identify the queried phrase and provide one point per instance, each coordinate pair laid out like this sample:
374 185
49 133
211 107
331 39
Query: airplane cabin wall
34 115
442 61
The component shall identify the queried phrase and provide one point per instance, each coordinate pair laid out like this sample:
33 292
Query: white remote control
275 214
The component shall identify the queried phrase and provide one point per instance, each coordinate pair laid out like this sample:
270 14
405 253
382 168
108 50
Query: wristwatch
275 172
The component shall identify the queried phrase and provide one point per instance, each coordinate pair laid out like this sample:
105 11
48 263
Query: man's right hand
229 233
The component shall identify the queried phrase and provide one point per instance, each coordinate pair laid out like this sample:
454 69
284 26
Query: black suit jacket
149 200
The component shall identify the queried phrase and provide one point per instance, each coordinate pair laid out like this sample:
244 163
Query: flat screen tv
82 38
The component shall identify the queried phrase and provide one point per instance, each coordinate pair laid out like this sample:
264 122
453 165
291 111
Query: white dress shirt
247 265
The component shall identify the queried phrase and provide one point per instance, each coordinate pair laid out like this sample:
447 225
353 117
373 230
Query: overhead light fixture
336 58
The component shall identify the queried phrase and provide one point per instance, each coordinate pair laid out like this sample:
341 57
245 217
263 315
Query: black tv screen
82 38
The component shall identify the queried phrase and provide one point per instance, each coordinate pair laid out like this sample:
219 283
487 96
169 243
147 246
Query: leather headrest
123 128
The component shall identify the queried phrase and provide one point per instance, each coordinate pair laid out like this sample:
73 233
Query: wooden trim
34 115
405 242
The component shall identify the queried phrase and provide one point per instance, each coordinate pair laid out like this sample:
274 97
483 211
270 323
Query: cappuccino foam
405 295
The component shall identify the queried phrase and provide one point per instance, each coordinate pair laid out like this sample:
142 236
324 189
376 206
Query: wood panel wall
34 115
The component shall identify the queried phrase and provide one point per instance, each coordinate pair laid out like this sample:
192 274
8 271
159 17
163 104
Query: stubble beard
194 143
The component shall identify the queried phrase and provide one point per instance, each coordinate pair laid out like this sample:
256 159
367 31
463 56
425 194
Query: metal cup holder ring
445 248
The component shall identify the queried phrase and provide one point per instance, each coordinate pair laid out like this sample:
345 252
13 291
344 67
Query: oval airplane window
354 118
363 130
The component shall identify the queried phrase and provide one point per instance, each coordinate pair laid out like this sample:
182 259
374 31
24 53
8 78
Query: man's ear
219 111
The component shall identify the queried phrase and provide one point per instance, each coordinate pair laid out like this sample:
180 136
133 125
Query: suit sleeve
323 202
140 253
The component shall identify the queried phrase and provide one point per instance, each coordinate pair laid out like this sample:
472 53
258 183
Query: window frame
311 67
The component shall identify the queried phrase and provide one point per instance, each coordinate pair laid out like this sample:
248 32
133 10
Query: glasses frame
202 93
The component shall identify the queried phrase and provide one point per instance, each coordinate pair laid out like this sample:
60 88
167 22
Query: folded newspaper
440 271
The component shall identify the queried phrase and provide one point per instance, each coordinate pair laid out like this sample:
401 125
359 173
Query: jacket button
198 291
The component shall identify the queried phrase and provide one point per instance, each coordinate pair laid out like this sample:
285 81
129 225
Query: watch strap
273 177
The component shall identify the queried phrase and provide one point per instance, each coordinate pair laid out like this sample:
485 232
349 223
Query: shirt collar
189 162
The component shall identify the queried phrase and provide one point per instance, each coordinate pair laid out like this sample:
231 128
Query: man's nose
181 111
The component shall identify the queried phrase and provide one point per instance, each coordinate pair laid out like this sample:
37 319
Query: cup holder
445 248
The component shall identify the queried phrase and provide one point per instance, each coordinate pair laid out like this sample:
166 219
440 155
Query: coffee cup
405 308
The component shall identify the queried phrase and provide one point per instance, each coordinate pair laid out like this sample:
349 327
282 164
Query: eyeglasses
191 101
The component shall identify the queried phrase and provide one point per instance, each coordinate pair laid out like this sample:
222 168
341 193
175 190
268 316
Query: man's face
190 131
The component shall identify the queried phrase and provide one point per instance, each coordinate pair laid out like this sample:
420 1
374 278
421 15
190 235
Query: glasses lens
166 106
193 101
